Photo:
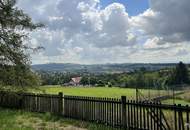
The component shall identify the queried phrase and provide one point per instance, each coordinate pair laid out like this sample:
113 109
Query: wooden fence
115 113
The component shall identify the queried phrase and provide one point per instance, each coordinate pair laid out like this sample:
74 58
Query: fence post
175 116
180 118
21 96
60 105
124 118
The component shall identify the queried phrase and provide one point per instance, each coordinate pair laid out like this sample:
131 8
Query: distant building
74 82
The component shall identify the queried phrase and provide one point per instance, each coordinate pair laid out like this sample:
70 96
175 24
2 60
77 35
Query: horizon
111 63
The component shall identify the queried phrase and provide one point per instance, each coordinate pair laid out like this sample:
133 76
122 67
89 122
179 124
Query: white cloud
79 31
182 52
156 43
166 18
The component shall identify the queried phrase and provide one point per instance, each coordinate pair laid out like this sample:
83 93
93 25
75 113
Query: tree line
139 78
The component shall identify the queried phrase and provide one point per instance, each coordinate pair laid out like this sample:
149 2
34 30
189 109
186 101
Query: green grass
21 120
113 92
176 101
183 99
185 96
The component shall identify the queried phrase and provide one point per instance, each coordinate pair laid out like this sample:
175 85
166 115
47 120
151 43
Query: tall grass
22 120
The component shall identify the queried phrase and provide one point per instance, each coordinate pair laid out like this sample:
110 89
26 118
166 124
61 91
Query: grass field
176 101
183 99
21 120
185 96
113 92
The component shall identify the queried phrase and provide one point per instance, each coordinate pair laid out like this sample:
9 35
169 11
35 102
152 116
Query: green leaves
179 75
14 55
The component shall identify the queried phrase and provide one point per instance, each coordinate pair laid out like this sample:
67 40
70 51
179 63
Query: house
75 81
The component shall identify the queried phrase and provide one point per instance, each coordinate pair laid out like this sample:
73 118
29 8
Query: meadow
176 101
109 92
114 92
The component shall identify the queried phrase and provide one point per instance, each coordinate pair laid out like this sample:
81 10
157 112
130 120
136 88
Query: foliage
179 75
161 79
18 76
89 80
137 79
14 54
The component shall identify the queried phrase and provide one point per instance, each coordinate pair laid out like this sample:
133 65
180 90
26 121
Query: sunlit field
113 92
176 101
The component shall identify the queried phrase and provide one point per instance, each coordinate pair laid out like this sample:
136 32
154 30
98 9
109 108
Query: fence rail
117 113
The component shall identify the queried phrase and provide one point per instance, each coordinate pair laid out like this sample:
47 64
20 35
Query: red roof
76 79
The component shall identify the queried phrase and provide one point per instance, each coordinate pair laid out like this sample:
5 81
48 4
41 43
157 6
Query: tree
109 84
180 74
140 80
18 76
84 80
100 83
14 54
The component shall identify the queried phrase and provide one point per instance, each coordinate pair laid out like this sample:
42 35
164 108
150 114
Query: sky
133 7
109 31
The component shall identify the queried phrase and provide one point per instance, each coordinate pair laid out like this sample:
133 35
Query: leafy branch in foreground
14 54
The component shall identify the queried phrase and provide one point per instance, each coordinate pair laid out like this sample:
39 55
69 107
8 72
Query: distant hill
99 68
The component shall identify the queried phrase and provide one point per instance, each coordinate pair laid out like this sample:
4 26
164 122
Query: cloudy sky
110 31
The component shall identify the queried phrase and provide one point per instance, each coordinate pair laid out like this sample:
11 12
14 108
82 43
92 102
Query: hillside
99 68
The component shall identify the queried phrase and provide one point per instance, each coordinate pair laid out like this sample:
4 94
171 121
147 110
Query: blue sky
134 7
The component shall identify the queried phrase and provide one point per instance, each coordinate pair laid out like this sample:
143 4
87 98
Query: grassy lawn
113 92
185 96
21 120
183 99
176 101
